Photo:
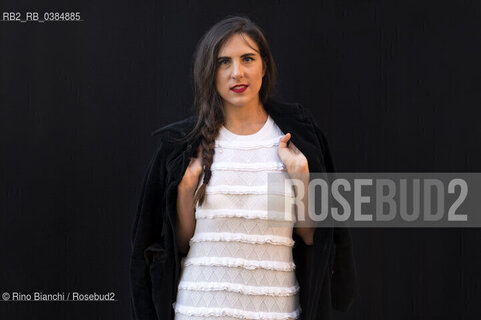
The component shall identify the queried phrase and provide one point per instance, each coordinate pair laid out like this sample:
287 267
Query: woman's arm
185 216
305 232
185 202
297 168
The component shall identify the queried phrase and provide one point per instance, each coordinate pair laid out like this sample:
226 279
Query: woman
235 264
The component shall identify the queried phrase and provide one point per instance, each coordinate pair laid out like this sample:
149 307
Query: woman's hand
192 174
293 158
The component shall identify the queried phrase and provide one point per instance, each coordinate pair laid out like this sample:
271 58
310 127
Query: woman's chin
238 102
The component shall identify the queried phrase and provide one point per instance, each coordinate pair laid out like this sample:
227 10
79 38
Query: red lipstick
239 88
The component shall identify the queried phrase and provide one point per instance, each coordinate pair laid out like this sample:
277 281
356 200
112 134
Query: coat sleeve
344 283
146 232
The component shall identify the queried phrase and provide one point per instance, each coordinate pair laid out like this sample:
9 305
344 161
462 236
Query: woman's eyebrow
242 56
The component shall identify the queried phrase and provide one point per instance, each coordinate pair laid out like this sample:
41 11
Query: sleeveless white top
240 264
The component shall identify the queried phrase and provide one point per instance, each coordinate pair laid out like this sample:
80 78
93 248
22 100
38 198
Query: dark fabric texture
325 271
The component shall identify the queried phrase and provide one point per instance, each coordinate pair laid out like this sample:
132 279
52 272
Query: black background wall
393 84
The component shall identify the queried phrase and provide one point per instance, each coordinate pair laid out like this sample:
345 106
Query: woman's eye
227 61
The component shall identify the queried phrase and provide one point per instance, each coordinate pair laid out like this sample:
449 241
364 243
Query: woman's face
239 71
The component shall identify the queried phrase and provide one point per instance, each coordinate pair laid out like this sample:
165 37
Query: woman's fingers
198 158
283 140
199 151
195 163
198 154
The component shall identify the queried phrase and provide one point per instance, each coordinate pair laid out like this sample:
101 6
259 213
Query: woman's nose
237 70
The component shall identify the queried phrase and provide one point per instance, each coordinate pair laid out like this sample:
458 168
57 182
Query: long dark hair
207 101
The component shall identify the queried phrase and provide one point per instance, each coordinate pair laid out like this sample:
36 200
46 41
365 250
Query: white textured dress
240 264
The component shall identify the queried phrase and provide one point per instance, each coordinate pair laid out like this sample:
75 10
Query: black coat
325 271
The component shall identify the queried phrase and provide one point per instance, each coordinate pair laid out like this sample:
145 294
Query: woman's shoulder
180 127
279 108
170 137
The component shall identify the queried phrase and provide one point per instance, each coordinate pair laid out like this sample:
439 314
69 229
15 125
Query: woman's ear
264 67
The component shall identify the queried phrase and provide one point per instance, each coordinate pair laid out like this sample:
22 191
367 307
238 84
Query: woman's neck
246 119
